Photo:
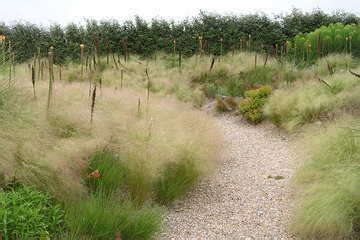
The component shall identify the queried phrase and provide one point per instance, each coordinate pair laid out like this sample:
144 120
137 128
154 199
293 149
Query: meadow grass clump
105 173
314 101
328 204
100 217
334 63
26 213
252 106
176 179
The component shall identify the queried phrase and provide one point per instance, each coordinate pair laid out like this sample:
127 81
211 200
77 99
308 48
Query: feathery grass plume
212 64
86 63
125 49
174 47
350 44
330 68
249 42
10 59
93 100
2 41
139 107
200 47
51 78
33 80
180 61
38 62
255 60
266 58
148 85
221 47
114 59
82 61
60 72
121 77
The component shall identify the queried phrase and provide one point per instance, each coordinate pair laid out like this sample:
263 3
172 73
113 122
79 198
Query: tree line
205 34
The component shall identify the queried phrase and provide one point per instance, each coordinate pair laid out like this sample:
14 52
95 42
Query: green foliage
175 180
112 172
26 213
329 201
252 106
100 217
335 38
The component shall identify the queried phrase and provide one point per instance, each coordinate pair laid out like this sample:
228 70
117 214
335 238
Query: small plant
252 106
26 213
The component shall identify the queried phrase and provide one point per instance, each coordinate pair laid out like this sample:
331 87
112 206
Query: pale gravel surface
239 201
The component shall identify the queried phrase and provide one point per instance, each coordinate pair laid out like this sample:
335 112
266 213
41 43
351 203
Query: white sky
65 11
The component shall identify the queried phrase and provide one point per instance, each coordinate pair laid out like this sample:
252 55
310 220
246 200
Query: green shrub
329 201
26 213
252 106
111 172
175 179
102 217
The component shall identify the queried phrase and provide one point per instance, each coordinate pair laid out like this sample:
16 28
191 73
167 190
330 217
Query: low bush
176 179
329 182
26 213
252 106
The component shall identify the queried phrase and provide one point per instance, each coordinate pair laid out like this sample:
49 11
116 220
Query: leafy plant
26 213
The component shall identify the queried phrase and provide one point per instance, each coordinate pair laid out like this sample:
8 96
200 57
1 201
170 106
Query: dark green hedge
145 38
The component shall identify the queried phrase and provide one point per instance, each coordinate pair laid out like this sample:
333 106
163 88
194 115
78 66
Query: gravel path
239 200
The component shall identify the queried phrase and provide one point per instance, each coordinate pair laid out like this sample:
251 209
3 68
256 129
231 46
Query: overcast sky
65 11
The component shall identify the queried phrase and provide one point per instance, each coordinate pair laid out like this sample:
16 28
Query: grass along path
240 200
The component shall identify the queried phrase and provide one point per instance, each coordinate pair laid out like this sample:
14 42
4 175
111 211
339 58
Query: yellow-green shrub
252 106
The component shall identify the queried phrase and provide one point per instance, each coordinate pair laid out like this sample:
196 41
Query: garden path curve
247 197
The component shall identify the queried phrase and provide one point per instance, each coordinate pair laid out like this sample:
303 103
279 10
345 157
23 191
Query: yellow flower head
2 38
82 46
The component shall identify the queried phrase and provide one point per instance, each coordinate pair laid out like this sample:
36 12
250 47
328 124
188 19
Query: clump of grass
329 200
176 179
62 128
26 213
333 63
111 172
102 217
314 101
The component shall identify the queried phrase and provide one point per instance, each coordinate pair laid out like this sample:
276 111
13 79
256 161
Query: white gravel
239 200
